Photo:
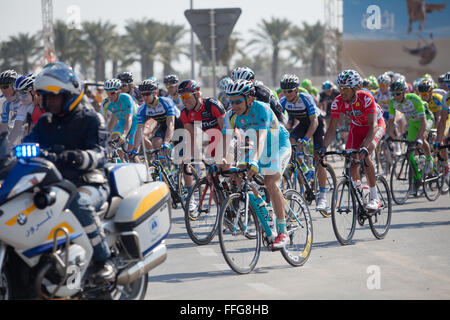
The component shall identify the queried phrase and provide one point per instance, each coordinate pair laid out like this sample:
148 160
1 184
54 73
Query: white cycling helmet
447 77
224 83
25 83
242 73
112 84
348 79
384 78
289 81
240 88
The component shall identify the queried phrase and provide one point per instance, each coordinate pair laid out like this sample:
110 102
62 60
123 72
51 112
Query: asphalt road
412 262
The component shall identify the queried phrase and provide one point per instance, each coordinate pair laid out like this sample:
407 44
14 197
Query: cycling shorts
300 130
357 134
414 127
131 134
276 164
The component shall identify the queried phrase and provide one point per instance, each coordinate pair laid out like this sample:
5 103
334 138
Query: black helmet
398 86
148 85
171 79
426 85
188 86
289 81
126 77
8 77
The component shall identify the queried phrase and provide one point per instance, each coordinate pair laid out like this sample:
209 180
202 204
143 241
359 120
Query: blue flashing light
28 150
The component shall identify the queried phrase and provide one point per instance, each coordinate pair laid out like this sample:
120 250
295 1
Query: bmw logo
22 219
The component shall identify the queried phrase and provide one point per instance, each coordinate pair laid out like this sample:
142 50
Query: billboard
411 37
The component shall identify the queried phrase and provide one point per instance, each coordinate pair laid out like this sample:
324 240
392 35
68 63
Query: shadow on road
420 225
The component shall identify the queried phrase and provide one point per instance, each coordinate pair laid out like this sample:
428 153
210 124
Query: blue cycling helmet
24 83
59 78
327 85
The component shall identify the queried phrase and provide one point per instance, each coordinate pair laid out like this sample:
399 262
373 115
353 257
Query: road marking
207 252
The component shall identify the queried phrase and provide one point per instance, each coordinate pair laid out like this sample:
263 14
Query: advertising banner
411 37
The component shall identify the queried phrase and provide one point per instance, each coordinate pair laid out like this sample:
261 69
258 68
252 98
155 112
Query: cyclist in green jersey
412 107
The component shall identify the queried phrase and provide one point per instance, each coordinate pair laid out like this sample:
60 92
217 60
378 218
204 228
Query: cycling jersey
435 103
210 111
412 107
383 99
277 146
177 102
363 105
121 109
165 107
302 109
264 94
9 111
446 101
23 110
328 100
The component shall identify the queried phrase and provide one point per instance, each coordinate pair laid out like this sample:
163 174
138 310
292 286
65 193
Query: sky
14 18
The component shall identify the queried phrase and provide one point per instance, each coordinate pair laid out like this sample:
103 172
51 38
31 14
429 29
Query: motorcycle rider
77 134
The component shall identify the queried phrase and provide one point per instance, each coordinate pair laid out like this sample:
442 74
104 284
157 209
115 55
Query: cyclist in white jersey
11 104
171 82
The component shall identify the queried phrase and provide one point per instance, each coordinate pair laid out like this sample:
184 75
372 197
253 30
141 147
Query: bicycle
206 196
298 180
171 177
242 227
350 205
441 166
408 176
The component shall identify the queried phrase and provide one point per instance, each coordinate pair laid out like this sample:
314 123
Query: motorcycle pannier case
143 218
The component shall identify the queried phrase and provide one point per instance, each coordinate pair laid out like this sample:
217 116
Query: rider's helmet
148 85
126 77
188 86
224 83
373 82
8 77
240 88
289 81
25 83
59 78
426 85
384 79
348 79
242 73
171 79
307 83
447 77
327 85
365 83
112 85
398 86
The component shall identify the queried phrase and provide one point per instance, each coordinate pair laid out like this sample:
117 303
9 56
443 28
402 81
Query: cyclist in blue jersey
271 149
308 123
158 115
11 105
123 110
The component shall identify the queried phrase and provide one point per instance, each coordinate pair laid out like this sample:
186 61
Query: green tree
170 49
100 38
24 51
145 38
273 34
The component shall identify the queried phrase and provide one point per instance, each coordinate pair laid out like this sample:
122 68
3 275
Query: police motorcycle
44 251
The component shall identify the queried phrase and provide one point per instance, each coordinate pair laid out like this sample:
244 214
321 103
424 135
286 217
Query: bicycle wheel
401 178
330 185
202 211
381 220
299 227
343 213
240 247
432 184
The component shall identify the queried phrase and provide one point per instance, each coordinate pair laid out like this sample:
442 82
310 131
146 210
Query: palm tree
24 50
230 50
170 49
145 38
70 46
100 38
6 57
274 33
308 46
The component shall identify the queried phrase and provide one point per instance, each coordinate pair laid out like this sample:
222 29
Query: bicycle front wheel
299 228
381 220
432 184
330 186
240 242
201 212
401 179
343 213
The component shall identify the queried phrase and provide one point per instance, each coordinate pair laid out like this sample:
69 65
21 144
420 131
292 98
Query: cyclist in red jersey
366 129
208 111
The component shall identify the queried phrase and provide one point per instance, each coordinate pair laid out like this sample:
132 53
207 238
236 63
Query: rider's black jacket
264 94
82 129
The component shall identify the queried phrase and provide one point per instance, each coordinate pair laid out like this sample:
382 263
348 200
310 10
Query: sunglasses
186 96
343 88
146 94
288 91
5 86
396 94
112 92
236 101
